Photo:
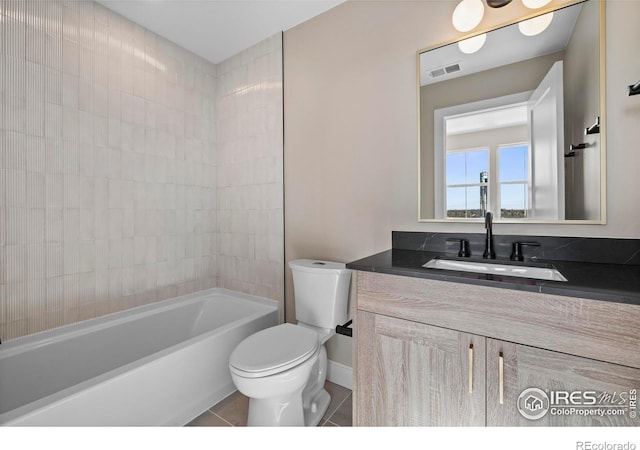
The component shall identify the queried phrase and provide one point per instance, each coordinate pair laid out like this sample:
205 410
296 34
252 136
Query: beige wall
351 130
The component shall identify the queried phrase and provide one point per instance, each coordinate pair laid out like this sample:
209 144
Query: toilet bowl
283 369
277 369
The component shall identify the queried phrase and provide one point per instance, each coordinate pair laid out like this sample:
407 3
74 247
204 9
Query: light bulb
468 15
535 4
536 25
473 44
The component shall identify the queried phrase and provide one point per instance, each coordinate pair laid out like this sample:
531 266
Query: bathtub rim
45 337
25 343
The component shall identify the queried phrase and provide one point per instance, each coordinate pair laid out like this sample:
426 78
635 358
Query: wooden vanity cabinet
432 353
525 367
415 374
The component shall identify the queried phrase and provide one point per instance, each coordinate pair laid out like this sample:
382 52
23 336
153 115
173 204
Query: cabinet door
556 389
409 374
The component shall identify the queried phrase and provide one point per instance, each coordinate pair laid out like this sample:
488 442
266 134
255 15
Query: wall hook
593 129
634 89
573 148
577 147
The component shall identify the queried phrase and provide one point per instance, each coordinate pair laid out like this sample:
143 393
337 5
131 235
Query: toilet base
287 411
315 398
276 411
319 406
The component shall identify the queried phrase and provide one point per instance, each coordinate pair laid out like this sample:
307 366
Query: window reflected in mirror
496 124
467 183
513 180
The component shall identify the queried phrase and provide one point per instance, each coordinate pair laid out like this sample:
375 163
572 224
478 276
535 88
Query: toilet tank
321 290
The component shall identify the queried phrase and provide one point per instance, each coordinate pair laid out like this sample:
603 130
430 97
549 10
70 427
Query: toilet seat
273 350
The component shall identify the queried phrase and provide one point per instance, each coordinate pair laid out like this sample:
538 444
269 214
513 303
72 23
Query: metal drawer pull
501 370
470 368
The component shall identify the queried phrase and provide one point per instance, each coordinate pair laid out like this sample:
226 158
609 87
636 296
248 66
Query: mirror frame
603 121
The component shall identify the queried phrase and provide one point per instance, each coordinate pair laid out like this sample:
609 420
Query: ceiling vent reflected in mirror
444 70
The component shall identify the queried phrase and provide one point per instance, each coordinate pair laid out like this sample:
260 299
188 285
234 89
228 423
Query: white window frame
468 185
499 183
440 136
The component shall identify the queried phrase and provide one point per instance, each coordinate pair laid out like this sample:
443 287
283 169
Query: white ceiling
218 29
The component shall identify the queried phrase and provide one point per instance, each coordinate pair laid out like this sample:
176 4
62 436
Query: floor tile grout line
337 408
339 404
221 418
224 420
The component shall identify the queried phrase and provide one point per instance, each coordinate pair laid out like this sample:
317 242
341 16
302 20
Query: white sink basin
538 273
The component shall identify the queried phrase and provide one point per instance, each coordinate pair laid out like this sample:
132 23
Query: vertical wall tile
70 55
249 170
15 32
87 181
3 313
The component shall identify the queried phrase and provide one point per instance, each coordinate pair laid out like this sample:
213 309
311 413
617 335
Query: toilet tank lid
316 265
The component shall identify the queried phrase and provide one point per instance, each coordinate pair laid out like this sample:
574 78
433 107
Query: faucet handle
463 251
516 249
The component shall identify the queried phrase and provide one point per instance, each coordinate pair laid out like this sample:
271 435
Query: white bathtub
160 364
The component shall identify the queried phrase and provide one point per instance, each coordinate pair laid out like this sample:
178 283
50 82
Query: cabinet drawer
590 328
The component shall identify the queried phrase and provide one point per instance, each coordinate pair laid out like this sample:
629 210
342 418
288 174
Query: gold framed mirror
516 126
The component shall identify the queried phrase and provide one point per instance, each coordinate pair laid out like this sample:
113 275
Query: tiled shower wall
108 176
250 171
110 196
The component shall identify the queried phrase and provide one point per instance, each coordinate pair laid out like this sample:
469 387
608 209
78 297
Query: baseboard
340 374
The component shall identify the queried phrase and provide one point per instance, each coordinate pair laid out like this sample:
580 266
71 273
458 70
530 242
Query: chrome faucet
489 253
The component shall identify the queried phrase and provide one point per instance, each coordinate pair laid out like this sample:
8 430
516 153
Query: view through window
470 182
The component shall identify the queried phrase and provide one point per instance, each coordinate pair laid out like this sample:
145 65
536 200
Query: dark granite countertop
598 281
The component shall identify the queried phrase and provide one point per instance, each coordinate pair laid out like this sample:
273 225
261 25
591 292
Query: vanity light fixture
498 3
536 25
535 4
473 44
467 15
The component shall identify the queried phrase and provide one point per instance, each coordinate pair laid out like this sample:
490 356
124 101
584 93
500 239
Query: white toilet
282 369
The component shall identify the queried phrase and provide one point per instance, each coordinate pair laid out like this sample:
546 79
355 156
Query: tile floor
232 411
